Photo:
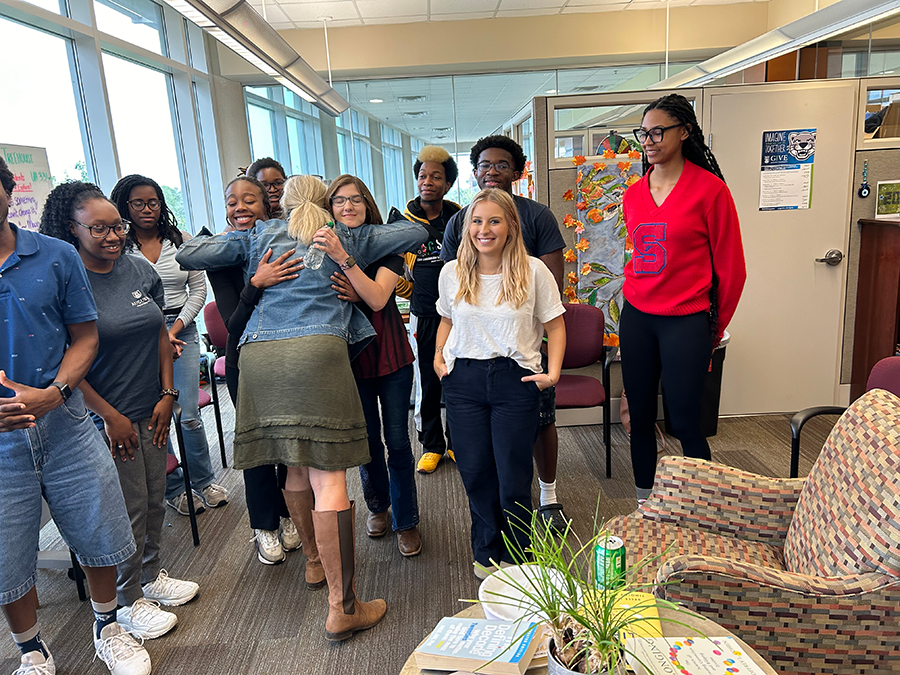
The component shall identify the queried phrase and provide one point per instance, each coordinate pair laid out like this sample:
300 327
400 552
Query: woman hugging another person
297 399
383 373
495 303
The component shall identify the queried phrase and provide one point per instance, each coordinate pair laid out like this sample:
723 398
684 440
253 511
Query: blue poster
786 169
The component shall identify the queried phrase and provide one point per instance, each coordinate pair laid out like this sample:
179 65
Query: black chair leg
217 412
795 456
78 577
188 490
607 418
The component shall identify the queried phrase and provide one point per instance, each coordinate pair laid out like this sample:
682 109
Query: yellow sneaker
428 462
451 455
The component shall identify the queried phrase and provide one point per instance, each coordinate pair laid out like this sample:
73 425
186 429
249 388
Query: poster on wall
31 171
601 241
786 170
887 202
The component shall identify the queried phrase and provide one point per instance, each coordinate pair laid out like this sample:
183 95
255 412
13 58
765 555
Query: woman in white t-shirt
495 303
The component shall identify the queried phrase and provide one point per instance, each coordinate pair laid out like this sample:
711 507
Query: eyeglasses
356 200
100 231
655 134
275 184
499 166
139 204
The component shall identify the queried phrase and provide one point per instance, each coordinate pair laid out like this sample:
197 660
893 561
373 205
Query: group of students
311 354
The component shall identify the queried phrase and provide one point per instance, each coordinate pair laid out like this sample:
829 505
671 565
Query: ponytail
303 200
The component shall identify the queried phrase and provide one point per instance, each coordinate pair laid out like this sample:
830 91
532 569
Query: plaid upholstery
848 516
829 600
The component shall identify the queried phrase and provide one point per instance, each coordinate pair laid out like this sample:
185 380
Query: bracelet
169 392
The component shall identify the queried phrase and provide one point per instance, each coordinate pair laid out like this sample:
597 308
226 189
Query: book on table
485 646
693 655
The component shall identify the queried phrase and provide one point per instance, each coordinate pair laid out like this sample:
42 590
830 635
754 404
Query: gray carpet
251 618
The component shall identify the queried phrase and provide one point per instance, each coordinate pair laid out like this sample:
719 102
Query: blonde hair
303 201
373 215
514 266
433 153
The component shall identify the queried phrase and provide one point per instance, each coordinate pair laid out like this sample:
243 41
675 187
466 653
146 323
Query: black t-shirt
428 258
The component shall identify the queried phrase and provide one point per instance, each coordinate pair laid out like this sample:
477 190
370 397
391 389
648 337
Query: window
305 141
42 111
392 154
262 131
362 148
136 21
139 101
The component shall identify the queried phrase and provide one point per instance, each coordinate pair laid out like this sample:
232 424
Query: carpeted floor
257 619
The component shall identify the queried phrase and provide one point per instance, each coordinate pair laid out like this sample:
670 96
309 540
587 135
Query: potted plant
554 582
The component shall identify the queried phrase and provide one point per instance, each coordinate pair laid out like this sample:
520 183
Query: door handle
832 257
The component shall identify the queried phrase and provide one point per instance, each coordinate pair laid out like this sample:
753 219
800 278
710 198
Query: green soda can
609 563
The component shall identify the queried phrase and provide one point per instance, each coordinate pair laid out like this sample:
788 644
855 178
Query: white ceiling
289 14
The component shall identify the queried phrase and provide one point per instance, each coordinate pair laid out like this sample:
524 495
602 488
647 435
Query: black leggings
678 348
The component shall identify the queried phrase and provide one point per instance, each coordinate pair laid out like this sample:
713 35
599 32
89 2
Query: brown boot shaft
346 614
300 505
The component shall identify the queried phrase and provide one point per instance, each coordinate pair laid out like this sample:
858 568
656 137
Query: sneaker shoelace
33 669
119 647
144 610
162 584
288 528
266 538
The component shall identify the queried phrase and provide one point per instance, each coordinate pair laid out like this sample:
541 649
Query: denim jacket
306 305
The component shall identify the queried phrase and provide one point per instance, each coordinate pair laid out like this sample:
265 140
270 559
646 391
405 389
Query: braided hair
694 147
167 224
61 204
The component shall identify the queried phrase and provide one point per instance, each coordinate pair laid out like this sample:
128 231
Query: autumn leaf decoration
570 256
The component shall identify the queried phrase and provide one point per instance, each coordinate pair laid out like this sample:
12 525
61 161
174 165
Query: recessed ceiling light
375 100
551 91
411 99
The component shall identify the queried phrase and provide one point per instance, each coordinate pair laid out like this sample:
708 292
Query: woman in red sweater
682 283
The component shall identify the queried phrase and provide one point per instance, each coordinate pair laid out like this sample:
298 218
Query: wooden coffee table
690 622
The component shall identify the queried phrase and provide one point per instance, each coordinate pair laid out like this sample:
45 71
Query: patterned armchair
806 571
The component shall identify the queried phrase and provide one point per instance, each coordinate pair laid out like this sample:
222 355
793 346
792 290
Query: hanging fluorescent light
238 26
841 17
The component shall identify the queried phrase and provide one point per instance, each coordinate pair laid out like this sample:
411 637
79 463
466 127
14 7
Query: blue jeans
187 382
398 490
495 418
65 458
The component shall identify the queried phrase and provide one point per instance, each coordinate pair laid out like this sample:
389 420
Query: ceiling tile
282 26
579 3
415 18
511 14
273 13
531 4
311 11
454 6
386 8
461 16
586 9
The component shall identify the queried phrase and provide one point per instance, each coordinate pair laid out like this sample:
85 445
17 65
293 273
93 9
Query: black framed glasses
139 204
274 185
499 166
655 134
100 231
356 200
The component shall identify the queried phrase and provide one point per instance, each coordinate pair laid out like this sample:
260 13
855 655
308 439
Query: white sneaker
34 663
290 538
213 496
145 619
268 547
170 592
121 653
180 504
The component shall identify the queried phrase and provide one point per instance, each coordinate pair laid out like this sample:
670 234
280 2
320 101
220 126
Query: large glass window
139 100
42 111
362 147
392 152
136 21
305 141
262 131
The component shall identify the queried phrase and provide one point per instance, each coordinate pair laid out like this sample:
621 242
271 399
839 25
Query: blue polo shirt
43 288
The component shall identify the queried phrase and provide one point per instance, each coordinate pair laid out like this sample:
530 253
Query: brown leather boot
300 505
335 538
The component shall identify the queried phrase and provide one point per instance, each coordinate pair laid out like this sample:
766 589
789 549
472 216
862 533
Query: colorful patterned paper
601 243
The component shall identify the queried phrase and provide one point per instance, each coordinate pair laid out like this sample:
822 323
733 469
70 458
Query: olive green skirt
298 405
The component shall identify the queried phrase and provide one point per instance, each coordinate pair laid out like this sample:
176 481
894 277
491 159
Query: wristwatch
348 263
63 389
169 392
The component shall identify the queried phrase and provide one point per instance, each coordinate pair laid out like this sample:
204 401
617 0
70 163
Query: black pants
262 484
496 417
432 435
678 348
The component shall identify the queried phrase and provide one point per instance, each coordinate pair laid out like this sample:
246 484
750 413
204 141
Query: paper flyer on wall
786 169
33 183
